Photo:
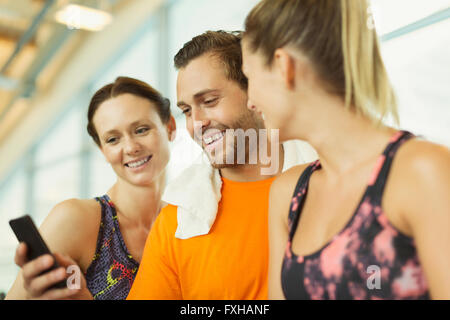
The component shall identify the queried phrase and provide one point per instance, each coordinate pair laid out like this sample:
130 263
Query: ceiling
33 48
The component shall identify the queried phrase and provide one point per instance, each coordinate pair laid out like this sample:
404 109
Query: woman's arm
67 230
424 201
281 192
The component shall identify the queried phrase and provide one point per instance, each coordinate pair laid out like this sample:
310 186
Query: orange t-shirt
230 262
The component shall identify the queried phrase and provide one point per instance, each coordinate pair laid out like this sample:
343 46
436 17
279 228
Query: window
53 184
415 66
12 205
64 140
139 61
102 176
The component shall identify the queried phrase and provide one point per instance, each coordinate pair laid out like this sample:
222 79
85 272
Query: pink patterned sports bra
368 259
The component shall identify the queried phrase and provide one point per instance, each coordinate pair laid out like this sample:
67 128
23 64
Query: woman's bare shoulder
72 225
419 161
282 190
420 174
75 211
288 179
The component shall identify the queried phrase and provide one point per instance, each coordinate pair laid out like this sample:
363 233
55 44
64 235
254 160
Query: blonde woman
371 218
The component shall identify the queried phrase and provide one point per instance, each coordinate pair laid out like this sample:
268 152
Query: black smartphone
26 231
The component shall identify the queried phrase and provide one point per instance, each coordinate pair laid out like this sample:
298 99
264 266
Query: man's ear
171 129
284 63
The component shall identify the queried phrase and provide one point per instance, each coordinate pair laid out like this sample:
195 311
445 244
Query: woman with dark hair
132 125
371 218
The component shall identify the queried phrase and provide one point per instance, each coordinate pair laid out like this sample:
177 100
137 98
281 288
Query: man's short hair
226 46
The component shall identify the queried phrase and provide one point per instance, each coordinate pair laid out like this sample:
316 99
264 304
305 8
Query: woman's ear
284 63
171 129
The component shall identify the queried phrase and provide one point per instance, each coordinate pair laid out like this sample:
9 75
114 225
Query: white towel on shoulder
197 190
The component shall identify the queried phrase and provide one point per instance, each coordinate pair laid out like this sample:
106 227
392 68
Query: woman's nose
132 147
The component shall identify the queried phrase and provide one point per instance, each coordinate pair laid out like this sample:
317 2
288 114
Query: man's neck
256 172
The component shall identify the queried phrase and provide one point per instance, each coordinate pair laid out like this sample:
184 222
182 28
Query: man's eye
210 101
185 111
142 130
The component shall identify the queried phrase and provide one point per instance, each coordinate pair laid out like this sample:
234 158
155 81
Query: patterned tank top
368 259
112 270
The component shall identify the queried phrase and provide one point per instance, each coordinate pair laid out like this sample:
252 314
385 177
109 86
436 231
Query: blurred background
54 54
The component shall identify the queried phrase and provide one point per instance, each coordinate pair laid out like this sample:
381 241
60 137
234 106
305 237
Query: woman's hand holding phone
39 284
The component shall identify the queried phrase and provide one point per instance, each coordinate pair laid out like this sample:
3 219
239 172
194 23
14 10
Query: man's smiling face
212 104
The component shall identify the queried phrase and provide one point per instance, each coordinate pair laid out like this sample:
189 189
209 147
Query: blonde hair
336 37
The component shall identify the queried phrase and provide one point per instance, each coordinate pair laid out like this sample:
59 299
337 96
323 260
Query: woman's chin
142 179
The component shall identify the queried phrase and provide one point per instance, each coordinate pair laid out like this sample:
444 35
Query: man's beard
248 120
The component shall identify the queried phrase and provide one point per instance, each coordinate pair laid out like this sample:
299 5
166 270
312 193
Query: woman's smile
139 164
